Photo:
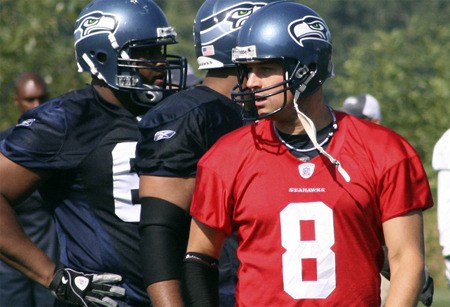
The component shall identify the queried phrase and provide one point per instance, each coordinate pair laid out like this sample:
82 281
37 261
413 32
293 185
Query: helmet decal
244 53
166 32
226 21
95 23
309 28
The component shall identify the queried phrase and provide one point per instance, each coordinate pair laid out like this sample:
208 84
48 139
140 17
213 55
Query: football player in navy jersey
175 135
78 149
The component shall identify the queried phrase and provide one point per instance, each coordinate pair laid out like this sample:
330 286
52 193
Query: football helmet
295 35
109 32
216 27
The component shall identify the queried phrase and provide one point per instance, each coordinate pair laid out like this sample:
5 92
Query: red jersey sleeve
211 200
404 187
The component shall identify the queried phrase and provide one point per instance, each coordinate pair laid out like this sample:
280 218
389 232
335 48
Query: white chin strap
310 130
153 95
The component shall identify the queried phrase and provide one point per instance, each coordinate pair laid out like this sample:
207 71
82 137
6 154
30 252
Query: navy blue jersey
174 136
4 133
88 145
176 133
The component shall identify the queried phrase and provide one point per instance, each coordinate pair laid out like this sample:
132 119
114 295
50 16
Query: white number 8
315 249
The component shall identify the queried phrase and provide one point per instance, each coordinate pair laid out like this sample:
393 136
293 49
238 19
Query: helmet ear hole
312 67
102 57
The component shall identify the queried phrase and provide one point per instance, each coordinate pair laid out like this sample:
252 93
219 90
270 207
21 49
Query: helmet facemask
295 77
143 92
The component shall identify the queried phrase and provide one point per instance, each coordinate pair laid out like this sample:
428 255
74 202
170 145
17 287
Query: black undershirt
303 142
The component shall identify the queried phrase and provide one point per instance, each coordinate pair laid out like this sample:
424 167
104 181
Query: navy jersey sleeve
5 133
37 139
53 135
176 134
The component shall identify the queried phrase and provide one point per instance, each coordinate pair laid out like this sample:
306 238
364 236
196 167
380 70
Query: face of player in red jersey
265 75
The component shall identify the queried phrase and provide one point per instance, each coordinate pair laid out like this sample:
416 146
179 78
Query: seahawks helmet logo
309 28
94 23
226 21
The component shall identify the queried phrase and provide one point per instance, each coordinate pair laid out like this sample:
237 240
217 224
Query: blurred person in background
363 106
30 91
441 163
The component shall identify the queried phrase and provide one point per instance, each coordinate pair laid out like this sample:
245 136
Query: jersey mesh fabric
310 236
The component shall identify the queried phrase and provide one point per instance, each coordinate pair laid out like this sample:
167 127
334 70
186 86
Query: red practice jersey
306 236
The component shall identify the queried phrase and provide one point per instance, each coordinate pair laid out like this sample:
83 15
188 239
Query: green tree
37 35
407 70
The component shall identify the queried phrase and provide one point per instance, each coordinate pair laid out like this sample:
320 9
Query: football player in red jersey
313 194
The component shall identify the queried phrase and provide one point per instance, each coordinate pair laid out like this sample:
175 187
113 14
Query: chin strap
310 129
153 95
148 98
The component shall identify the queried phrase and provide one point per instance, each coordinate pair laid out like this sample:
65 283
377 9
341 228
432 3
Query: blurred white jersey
441 163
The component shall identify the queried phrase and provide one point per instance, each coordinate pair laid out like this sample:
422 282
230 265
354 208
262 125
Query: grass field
434 260
441 298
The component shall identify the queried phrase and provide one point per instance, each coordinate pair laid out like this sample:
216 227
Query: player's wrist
48 275
56 278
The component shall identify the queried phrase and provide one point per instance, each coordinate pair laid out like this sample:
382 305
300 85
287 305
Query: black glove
426 297
87 290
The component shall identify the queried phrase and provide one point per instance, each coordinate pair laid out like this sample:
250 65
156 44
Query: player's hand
89 290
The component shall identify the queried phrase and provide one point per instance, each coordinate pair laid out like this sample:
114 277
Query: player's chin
263 113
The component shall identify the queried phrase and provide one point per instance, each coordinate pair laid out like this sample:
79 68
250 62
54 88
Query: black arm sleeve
164 230
200 280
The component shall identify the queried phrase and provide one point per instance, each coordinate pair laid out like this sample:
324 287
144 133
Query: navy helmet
295 35
106 34
216 27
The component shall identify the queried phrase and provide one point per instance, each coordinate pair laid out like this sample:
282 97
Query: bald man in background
30 90
363 106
